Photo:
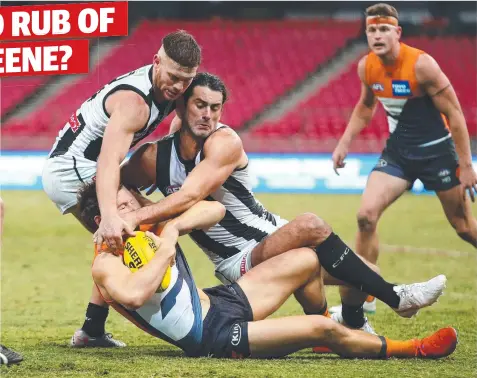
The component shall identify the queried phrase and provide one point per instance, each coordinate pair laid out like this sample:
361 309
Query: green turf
46 284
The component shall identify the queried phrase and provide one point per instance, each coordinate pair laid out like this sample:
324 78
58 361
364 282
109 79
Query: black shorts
436 166
225 328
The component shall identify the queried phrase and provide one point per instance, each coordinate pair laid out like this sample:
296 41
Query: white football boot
338 317
415 296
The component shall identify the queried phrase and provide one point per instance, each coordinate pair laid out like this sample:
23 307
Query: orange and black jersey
413 119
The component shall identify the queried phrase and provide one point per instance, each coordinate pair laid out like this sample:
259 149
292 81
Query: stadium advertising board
270 173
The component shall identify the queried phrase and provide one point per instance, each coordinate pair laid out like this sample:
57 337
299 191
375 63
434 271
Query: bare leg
282 336
459 213
381 191
268 285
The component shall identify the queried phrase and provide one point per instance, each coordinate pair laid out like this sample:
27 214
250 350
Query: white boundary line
423 250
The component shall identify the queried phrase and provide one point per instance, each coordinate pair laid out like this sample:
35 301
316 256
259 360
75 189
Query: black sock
353 315
341 262
95 320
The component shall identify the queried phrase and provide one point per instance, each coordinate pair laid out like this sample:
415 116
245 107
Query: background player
427 131
229 321
7 356
98 136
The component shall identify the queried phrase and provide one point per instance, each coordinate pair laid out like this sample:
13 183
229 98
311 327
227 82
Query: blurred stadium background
291 71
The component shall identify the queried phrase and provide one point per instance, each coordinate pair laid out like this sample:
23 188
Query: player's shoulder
426 68
224 137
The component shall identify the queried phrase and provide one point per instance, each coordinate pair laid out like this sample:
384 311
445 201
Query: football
138 251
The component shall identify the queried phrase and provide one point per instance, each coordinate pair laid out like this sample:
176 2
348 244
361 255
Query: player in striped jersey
428 133
229 321
206 160
97 137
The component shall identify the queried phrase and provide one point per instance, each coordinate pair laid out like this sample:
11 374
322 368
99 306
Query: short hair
205 79
182 48
382 9
88 205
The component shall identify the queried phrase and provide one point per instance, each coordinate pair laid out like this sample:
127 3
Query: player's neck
189 145
391 58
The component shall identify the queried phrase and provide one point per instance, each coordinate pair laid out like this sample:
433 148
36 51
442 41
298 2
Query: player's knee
367 220
313 227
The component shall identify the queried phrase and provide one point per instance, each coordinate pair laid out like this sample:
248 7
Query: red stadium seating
325 113
259 61
15 90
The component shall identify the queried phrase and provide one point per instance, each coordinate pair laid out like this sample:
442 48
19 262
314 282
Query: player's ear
156 60
97 219
399 31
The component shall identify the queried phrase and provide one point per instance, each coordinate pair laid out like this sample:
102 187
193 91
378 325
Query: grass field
46 284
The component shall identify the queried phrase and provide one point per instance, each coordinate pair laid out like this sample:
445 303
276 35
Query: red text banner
44 58
59 21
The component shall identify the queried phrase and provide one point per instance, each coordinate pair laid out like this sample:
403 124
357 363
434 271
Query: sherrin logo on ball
138 251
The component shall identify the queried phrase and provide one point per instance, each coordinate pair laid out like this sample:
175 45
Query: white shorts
63 176
231 269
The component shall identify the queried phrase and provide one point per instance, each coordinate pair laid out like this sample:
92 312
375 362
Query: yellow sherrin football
138 251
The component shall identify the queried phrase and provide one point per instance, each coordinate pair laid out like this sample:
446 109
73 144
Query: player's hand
468 179
339 154
164 244
111 230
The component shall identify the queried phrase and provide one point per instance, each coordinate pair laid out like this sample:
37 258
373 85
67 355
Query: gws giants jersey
174 315
246 221
413 119
82 136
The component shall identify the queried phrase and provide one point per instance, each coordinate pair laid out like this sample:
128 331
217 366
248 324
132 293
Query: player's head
382 28
175 64
89 207
203 104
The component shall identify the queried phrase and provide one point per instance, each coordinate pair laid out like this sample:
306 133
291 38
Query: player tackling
428 134
97 137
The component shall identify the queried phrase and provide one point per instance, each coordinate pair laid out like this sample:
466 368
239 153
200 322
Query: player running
428 134
98 136
206 160
229 321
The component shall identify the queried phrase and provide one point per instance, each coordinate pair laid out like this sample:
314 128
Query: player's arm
201 216
223 152
362 114
436 84
133 290
128 114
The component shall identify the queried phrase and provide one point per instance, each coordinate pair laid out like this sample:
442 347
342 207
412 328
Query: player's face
126 201
382 38
172 79
203 112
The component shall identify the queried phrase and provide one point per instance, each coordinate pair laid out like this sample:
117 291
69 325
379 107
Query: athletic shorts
63 176
436 166
231 269
225 327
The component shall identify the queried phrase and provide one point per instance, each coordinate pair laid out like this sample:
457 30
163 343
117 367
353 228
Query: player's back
413 119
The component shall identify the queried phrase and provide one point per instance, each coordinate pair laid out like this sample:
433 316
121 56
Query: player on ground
427 128
206 160
229 321
97 138
7 356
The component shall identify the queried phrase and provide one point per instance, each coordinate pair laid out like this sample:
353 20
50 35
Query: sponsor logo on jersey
378 87
236 334
74 123
172 189
381 163
401 88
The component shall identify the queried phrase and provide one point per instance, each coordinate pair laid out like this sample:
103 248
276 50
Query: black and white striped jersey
82 136
246 221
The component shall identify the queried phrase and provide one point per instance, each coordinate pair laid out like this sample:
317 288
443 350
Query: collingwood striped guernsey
82 136
246 221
